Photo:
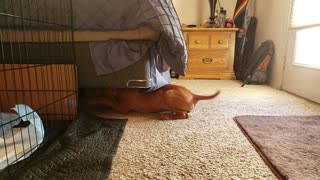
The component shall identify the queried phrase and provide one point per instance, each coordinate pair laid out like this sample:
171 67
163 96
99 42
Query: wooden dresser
210 52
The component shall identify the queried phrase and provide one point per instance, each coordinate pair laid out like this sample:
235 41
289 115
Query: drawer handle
197 41
220 41
207 60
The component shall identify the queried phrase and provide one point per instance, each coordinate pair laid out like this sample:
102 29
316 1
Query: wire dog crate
38 79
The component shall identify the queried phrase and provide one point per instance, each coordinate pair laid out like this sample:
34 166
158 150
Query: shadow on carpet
84 151
290 145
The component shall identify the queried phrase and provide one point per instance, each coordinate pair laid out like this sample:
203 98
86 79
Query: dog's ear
111 92
115 92
90 92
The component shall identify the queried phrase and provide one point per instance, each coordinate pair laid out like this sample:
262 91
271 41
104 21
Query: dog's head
112 93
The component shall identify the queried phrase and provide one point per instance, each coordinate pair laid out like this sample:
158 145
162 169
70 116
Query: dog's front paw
173 116
164 116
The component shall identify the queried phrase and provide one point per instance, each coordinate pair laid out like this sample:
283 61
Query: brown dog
175 101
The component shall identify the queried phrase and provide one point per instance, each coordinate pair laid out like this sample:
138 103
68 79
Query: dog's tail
196 97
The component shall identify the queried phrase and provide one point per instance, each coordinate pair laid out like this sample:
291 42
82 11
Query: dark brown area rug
290 145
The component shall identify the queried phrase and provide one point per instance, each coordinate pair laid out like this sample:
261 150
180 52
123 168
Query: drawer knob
207 60
220 41
197 41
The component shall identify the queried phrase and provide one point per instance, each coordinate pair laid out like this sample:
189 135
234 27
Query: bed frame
126 78
40 35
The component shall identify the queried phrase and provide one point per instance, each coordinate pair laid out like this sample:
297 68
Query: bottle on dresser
221 19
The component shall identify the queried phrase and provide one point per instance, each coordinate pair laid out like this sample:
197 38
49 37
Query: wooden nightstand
211 52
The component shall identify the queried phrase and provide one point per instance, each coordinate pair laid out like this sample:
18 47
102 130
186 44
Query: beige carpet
208 145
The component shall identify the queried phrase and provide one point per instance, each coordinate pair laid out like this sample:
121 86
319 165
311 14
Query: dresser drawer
198 40
208 60
220 40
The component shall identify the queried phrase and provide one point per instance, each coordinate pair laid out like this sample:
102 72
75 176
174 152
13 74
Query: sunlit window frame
295 29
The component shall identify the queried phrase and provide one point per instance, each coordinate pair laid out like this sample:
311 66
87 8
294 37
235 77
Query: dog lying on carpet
173 101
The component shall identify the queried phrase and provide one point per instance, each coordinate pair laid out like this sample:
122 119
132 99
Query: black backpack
258 66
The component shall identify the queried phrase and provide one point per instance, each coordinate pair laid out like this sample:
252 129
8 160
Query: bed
117 43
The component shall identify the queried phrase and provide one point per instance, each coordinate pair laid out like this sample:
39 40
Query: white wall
198 11
272 16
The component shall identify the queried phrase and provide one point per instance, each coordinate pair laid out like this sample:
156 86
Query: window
305 23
